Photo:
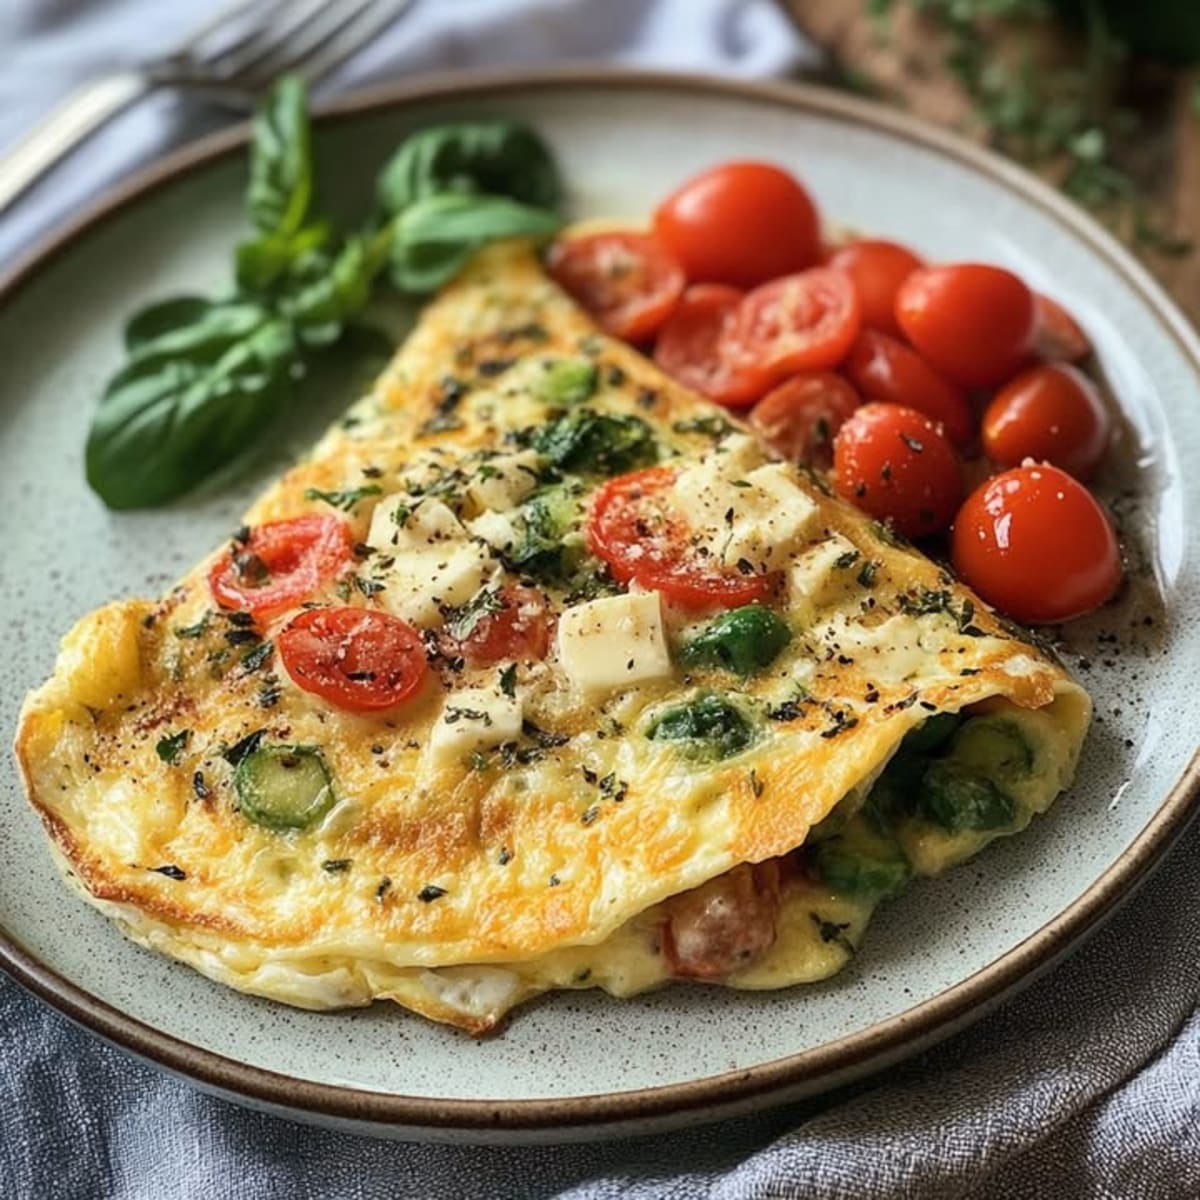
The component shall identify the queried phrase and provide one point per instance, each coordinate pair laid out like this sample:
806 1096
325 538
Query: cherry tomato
1057 336
519 630
800 417
360 659
1035 543
973 323
1052 413
724 924
281 563
628 281
887 370
689 347
897 465
802 322
645 540
877 269
741 223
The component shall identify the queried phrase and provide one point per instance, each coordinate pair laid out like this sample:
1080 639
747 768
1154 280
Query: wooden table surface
906 68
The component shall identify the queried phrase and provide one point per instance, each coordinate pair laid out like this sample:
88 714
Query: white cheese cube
497 529
504 481
432 562
474 719
809 574
613 642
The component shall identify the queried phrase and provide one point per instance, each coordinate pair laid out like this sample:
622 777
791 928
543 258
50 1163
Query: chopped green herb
430 892
508 680
169 749
344 500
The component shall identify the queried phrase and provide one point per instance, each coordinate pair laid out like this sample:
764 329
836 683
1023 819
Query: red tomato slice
890 372
360 659
801 417
1057 336
520 630
741 223
628 281
689 347
280 564
645 540
1035 543
877 270
803 322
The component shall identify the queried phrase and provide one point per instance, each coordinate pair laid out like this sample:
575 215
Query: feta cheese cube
474 719
614 642
502 482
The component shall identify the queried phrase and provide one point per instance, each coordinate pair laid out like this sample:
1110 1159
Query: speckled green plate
584 1065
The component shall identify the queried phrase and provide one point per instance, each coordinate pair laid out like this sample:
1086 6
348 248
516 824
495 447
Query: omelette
539 672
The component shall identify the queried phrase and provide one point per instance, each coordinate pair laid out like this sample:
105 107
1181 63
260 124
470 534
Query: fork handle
64 128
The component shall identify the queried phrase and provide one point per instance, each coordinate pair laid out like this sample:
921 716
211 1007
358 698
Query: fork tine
306 42
339 48
238 62
228 19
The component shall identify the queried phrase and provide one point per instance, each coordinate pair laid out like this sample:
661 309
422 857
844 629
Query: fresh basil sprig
205 377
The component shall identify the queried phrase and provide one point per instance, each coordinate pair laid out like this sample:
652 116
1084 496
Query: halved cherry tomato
360 659
877 270
1036 544
897 465
800 418
1057 336
973 323
741 223
689 347
887 370
1052 413
634 528
628 281
802 322
520 630
281 563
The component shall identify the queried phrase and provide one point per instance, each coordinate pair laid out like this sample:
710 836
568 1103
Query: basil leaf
281 166
338 290
437 235
500 158
156 319
187 404
261 261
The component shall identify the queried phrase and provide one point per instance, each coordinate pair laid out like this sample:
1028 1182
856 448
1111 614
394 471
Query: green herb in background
1068 118
204 378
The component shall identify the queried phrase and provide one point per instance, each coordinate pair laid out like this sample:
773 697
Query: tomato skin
360 659
972 322
1036 544
1052 413
629 282
280 564
740 223
801 417
689 347
1057 336
886 370
634 529
877 269
804 322
897 465
519 631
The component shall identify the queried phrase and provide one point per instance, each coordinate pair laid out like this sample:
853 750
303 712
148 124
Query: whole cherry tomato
740 223
1036 544
628 281
877 270
885 369
897 465
802 322
1057 336
801 417
973 323
1052 413
690 347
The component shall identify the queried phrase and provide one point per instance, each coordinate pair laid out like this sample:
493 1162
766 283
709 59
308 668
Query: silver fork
232 60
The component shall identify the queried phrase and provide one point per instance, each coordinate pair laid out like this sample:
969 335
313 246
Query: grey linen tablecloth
1088 1084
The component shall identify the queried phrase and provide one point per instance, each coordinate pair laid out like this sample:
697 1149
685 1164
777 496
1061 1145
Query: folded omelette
663 787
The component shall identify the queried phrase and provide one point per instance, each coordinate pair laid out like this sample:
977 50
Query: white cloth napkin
1086 1085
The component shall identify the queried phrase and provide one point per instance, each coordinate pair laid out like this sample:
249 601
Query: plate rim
811 1070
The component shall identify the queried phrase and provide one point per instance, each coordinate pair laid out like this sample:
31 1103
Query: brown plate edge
809 1071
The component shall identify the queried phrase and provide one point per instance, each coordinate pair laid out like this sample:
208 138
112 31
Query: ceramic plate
583 1064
